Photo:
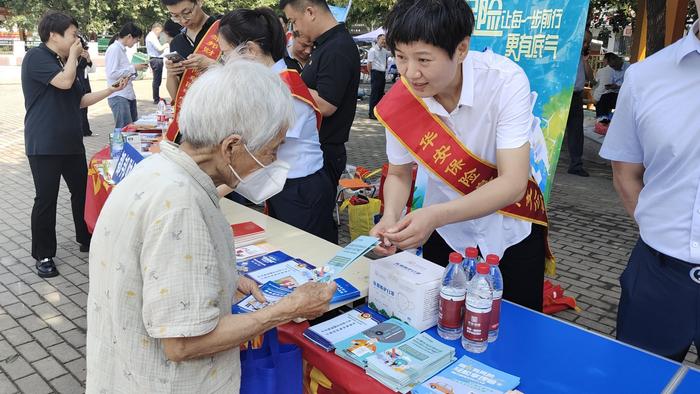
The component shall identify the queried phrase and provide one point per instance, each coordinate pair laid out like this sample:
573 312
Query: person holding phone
117 67
53 133
196 23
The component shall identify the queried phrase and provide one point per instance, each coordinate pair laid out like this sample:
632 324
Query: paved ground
43 322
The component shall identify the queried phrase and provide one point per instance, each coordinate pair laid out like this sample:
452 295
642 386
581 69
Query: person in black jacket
84 68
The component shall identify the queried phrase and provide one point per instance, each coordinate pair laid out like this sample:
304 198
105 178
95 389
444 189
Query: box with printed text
407 287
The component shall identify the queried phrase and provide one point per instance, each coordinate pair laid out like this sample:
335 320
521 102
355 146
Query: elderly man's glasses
186 14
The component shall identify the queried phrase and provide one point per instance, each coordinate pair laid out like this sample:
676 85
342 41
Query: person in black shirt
53 134
84 68
195 23
332 75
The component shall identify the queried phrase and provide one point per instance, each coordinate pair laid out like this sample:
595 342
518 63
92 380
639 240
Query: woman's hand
248 286
174 69
197 62
414 229
120 84
385 246
311 300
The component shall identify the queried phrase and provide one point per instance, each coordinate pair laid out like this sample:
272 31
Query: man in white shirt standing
155 52
376 65
118 66
653 144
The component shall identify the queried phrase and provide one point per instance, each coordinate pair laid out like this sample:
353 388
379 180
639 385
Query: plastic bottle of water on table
161 115
451 303
475 334
497 281
472 254
116 144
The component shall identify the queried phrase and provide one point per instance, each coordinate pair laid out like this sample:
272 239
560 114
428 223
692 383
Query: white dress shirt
603 77
656 123
378 57
494 112
117 65
301 147
153 46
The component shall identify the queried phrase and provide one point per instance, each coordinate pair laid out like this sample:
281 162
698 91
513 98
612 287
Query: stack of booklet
375 340
407 365
468 376
247 233
330 332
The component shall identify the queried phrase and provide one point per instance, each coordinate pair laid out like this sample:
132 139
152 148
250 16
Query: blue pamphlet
335 266
467 376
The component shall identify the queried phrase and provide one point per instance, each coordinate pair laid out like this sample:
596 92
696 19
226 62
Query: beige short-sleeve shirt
161 266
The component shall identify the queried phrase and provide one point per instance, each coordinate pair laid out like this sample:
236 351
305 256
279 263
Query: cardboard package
407 287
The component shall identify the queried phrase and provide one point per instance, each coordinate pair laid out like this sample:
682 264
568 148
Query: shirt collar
173 153
328 34
279 66
121 46
690 43
466 96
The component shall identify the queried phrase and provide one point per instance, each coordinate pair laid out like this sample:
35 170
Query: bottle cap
455 258
492 259
482 268
472 252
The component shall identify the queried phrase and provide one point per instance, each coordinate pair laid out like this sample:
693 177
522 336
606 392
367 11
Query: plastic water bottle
497 281
161 116
116 144
475 334
470 262
452 293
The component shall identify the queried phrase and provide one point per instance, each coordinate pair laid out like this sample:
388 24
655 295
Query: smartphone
174 57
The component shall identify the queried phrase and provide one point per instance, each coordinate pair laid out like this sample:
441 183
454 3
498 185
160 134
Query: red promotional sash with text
209 47
437 148
300 91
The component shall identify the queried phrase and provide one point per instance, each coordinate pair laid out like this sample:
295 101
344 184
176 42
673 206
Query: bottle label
451 310
477 322
495 314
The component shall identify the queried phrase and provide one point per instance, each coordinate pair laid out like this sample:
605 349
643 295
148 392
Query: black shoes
46 268
85 248
579 172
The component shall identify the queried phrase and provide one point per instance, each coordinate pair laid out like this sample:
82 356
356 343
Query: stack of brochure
384 336
406 365
341 327
468 376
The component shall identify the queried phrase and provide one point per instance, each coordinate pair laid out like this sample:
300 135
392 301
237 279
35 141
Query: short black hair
442 23
172 28
174 2
130 28
301 3
55 22
260 26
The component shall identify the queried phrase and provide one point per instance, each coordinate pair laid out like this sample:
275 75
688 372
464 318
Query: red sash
435 146
209 47
300 91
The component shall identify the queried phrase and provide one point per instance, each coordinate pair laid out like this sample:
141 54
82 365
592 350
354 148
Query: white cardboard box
406 286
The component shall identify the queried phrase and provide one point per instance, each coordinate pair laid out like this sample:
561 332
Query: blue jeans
123 110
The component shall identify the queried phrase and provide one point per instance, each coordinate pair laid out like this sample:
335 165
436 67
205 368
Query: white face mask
262 183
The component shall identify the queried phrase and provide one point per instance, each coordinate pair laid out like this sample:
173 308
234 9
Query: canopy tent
369 37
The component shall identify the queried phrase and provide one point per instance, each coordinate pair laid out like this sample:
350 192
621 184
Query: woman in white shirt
118 66
609 79
307 201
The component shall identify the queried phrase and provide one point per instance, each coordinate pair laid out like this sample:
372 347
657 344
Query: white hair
242 97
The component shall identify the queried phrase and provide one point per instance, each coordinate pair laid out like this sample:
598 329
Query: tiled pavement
43 321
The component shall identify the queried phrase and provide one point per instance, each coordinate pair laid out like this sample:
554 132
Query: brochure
358 348
290 273
274 292
468 376
335 266
341 327
404 366
256 263
248 252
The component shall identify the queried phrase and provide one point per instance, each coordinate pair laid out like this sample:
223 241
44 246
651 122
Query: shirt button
695 244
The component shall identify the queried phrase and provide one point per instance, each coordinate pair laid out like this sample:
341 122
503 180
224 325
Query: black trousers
334 160
157 67
574 131
659 303
307 203
606 104
522 266
47 171
86 122
378 82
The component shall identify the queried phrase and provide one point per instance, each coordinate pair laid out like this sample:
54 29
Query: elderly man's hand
310 300
248 286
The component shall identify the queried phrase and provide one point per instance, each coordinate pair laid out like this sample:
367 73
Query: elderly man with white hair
162 272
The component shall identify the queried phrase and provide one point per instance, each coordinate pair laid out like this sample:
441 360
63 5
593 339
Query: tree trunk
22 34
656 25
